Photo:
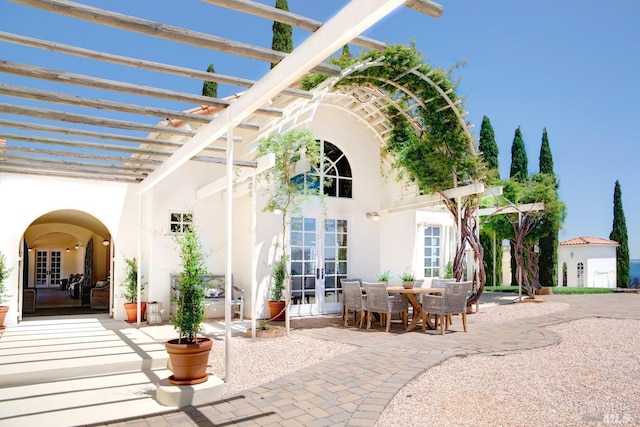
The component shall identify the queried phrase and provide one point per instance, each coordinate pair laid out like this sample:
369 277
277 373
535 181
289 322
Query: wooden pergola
85 142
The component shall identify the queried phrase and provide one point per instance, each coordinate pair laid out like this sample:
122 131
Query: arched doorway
67 255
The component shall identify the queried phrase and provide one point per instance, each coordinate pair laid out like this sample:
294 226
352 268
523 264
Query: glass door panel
48 269
318 260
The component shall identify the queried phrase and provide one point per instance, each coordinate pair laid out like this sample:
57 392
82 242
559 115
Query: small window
580 274
180 222
432 251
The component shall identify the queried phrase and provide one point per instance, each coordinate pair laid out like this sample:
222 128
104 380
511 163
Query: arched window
580 274
335 173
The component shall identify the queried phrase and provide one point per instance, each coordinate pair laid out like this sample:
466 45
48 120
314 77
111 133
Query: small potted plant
189 353
384 277
4 296
276 301
408 280
130 292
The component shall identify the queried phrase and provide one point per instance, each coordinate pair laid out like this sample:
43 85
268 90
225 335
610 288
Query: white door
319 257
48 269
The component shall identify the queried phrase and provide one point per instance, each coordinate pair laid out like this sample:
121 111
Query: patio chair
354 301
452 301
379 301
440 283
340 280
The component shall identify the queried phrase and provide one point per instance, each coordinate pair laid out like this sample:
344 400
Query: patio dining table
412 296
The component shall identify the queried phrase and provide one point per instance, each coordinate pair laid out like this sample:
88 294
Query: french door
319 257
48 269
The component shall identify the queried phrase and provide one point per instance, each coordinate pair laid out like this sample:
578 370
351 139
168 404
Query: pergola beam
352 20
168 32
139 63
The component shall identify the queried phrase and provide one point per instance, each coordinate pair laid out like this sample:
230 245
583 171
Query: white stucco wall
36 196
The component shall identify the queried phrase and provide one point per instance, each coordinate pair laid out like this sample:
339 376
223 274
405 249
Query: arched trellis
420 120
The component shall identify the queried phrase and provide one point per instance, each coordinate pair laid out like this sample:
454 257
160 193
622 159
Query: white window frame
182 224
433 271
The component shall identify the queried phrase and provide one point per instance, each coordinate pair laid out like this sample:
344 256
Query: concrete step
49 349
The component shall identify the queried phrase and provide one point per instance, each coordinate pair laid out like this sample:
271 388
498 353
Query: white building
83 219
587 262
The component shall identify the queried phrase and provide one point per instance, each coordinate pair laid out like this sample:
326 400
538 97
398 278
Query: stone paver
354 388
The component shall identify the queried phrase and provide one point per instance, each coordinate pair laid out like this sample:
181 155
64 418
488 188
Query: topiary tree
619 234
190 301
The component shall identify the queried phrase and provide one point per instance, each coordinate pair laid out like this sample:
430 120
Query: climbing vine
429 143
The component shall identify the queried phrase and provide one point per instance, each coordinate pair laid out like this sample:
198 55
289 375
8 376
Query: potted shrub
276 301
130 292
4 296
189 353
285 195
408 280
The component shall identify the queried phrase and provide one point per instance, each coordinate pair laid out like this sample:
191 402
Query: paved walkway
349 390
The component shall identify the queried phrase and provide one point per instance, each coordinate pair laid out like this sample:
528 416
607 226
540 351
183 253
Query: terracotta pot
132 311
4 309
276 310
189 361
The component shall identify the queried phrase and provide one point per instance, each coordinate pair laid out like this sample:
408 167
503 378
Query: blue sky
569 66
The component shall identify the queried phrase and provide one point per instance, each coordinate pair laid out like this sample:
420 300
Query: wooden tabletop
402 290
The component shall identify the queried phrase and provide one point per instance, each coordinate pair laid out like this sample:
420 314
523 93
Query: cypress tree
519 161
519 172
346 53
489 150
619 234
488 145
548 243
282 33
210 88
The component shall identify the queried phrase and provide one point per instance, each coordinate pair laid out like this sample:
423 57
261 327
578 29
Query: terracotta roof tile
588 241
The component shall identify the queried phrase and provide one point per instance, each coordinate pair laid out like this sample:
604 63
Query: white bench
214 294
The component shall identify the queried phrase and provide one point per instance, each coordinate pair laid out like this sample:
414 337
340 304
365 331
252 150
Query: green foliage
130 282
407 277
284 193
489 148
546 159
519 159
190 301
619 234
4 274
487 242
210 88
345 55
309 81
282 40
384 276
558 290
448 270
278 274
288 148
548 259
435 152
